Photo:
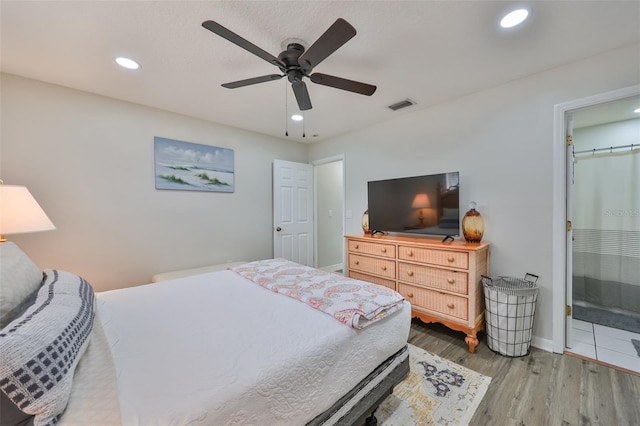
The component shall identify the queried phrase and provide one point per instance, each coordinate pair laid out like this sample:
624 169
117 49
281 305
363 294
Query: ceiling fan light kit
296 62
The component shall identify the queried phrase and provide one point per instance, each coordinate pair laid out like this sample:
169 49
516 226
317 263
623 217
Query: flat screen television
427 205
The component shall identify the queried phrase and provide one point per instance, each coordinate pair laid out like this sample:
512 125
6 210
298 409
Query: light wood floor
542 388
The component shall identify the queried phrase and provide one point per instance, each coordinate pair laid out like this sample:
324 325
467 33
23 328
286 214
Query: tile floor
606 344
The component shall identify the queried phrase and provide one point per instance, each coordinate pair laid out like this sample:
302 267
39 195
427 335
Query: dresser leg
472 341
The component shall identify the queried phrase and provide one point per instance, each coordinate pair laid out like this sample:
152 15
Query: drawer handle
410 253
357 262
450 305
410 273
384 249
451 259
409 295
357 246
451 280
384 268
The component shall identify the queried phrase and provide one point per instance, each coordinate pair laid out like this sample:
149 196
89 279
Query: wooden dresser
442 281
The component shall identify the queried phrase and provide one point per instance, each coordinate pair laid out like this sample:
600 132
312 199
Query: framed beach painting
193 167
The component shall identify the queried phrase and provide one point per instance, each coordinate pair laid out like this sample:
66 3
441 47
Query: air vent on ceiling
401 104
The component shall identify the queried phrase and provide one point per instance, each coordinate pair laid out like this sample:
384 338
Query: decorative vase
472 224
365 223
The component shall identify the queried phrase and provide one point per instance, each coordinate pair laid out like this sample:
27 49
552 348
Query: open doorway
605 280
329 213
602 239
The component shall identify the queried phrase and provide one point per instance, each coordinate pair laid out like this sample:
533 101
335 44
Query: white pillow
19 279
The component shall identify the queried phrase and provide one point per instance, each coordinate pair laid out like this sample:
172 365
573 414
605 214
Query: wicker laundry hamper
510 305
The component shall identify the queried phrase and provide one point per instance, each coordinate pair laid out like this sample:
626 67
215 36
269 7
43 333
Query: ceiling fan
297 63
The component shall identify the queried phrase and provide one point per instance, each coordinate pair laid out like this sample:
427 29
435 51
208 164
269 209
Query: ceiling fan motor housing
289 58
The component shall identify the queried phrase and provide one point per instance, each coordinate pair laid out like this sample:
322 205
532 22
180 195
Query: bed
232 347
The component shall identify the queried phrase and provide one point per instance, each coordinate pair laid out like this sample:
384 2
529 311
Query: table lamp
20 212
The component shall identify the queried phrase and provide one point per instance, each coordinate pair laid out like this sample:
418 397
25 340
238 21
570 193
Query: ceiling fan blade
338 34
343 83
302 95
250 81
234 38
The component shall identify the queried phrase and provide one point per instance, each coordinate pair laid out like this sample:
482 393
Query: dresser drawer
370 278
447 304
435 278
375 249
372 265
455 259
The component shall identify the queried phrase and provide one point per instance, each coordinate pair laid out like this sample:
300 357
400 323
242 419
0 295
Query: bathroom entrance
605 233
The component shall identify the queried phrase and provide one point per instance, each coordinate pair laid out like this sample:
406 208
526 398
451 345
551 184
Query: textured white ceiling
428 51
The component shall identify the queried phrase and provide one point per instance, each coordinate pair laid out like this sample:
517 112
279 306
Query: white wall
329 214
501 141
89 161
608 135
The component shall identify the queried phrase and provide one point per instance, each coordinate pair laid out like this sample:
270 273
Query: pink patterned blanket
353 302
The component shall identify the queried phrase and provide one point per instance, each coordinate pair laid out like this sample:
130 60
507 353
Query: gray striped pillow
41 349
19 278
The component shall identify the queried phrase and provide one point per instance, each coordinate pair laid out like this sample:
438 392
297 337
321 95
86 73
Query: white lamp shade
20 212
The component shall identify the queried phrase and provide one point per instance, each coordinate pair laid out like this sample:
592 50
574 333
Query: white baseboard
540 343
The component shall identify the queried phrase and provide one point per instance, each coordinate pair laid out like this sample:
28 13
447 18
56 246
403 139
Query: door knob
278 229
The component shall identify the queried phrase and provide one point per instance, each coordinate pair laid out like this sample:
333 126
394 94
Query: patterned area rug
436 392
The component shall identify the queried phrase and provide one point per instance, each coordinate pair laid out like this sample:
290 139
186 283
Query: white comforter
216 349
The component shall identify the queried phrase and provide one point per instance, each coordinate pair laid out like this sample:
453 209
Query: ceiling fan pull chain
286 112
303 120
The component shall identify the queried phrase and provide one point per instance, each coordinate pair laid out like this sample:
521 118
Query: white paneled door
293 211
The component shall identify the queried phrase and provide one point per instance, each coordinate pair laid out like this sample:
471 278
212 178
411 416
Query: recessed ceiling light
127 63
514 18
296 117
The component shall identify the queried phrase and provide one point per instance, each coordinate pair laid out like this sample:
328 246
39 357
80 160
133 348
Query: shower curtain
606 229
